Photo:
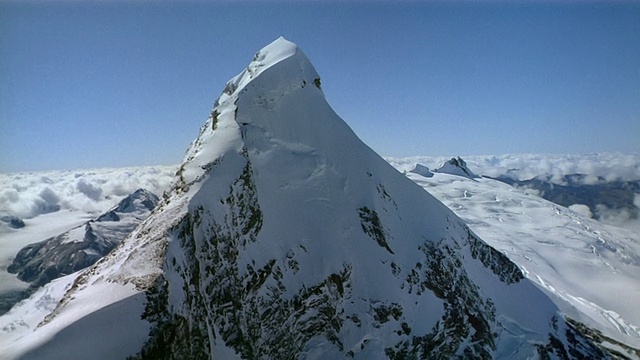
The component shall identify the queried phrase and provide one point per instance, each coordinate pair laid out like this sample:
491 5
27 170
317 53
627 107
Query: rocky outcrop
12 221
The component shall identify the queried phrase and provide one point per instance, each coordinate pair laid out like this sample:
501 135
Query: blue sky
107 84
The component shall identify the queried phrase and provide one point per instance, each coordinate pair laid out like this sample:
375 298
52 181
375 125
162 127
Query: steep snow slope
284 236
592 270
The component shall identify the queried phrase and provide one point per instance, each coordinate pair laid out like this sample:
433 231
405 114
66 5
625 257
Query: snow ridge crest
277 70
278 51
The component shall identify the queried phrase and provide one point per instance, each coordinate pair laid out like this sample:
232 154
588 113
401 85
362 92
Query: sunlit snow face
28 195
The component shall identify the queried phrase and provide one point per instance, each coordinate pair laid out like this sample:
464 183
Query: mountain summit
456 166
285 236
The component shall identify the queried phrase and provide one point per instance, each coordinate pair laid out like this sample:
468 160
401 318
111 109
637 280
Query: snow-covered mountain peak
456 166
140 200
422 170
275 52
272 54
285 236
277 71
279 216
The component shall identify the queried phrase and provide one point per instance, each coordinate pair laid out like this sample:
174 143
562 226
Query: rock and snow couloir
285 236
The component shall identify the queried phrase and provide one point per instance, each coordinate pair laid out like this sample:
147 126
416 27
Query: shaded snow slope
284 236
103 323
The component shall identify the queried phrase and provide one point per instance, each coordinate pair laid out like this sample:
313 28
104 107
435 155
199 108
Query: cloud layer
609 166
28 195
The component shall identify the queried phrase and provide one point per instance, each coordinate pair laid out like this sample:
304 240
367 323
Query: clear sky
114 83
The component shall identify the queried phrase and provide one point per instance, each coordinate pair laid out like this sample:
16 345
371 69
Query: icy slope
284 236
592 270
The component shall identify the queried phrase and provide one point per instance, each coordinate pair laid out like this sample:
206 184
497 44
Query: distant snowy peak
422 171
139 201
456 166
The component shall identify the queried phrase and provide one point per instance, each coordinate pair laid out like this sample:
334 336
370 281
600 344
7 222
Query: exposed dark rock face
13 221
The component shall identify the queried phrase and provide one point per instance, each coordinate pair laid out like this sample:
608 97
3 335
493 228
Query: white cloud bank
610 166
28 195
